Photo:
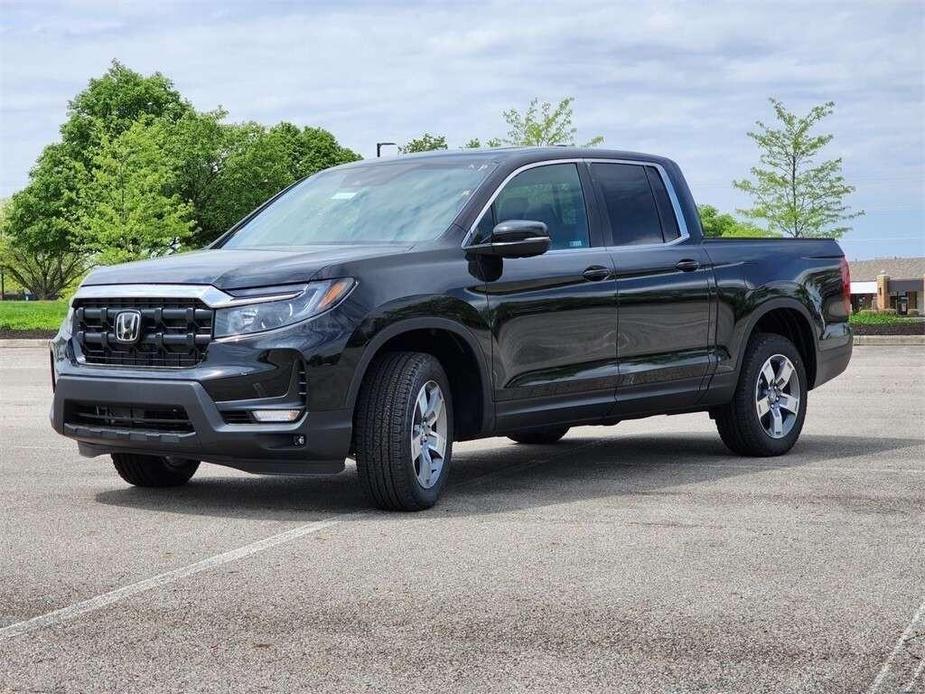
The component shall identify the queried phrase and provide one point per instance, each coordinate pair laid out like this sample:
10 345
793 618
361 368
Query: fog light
276 415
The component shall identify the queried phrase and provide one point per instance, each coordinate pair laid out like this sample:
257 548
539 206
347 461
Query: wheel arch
458 352
792 320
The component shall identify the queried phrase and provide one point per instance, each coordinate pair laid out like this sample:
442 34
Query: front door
553 316
664 338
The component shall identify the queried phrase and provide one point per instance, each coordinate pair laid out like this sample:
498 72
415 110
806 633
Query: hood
237 269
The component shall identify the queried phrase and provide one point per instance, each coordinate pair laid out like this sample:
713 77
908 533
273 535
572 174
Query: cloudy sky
682 79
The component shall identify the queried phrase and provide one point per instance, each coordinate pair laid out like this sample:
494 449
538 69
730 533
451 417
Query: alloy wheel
777 396
428 434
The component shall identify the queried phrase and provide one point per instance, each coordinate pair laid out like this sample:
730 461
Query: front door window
549 194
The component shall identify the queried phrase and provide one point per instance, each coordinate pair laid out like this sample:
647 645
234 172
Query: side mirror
515 238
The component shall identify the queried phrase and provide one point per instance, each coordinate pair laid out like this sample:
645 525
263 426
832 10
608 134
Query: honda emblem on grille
128 327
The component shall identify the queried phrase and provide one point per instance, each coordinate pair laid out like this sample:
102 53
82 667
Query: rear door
553 316
664 284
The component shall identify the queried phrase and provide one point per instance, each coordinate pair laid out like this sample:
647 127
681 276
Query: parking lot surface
640 558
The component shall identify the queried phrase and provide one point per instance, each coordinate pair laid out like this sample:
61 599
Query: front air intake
151 418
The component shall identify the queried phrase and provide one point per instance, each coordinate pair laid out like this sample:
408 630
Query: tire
154 471
392 468
540 437
741 427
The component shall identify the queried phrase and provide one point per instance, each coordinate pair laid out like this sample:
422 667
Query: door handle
596 273
687 265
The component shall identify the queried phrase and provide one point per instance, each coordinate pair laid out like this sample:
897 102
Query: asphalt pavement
636 558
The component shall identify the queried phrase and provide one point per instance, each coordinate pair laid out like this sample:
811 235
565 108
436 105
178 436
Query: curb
24 342
893 340
859 340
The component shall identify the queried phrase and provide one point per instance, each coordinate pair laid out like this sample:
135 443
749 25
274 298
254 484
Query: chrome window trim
672 196
211 296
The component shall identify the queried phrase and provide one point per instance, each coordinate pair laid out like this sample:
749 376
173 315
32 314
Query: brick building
889 283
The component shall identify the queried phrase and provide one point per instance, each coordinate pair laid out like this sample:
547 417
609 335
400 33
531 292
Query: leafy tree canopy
716 224
475 143
130 208
543 124
139 172
425 143
112 103
792 191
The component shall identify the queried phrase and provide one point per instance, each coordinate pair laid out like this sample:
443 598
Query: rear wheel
404 431
544 436
154 471
766 414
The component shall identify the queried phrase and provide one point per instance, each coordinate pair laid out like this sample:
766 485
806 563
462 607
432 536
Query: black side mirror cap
515 238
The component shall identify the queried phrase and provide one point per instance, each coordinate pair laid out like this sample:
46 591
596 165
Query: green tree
249 164
111 104
424 143
130 208
44 250
543 124
8 283
716 224
206 171
475 143
40 222
792 192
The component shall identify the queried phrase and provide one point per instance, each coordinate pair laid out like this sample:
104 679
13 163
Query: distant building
888 283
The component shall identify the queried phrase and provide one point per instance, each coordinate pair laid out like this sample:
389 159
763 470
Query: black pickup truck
383 310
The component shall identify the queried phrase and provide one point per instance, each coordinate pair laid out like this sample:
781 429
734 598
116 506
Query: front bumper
297 367
316 444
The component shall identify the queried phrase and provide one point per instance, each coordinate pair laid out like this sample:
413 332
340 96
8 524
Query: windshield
394 202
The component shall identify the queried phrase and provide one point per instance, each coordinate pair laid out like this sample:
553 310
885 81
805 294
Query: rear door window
629 193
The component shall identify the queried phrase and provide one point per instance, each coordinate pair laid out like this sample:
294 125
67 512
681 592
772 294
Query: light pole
380 145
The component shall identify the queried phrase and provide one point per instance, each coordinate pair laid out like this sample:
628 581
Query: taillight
846 286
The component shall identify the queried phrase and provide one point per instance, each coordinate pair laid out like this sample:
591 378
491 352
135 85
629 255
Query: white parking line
918 622
113 596
915 677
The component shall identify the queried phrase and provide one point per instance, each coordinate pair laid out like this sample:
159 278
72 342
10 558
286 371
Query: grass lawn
31 316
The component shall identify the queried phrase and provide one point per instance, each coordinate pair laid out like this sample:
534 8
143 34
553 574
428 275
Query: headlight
256 310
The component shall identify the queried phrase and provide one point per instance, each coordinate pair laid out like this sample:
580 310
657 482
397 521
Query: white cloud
683 79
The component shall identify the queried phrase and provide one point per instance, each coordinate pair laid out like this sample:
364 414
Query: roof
895 268
516 155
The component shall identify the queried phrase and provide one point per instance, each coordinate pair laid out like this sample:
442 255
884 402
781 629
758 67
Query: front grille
160 418
173 332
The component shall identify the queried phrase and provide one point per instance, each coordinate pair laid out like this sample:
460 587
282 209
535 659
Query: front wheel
154 471
766 414
404 431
